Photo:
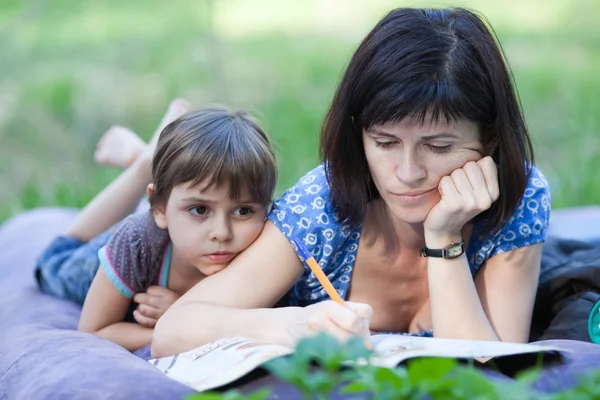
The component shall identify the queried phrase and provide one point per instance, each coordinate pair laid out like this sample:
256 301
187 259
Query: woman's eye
199 210
384 145
439 149
243 211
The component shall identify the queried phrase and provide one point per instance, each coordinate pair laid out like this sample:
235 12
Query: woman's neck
381 224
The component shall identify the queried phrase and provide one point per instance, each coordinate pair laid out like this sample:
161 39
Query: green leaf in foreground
430 375
386 383
230 395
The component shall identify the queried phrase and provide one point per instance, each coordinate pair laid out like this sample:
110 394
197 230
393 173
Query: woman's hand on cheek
465 193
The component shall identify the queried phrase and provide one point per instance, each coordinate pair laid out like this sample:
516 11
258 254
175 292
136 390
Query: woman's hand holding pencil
343 322
337 317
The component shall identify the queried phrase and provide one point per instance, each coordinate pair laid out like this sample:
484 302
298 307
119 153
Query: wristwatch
453 250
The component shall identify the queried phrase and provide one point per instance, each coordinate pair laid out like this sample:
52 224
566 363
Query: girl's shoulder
135 254
527 226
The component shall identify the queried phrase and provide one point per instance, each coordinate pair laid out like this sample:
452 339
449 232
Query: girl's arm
103 313
236 301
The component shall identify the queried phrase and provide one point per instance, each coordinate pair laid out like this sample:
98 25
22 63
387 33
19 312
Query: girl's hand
341 322
465 193
152 305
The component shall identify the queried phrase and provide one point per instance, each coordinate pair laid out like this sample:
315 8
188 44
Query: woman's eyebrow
375 131
442 135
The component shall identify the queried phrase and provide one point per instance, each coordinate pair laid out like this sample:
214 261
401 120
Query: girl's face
407 161
207 228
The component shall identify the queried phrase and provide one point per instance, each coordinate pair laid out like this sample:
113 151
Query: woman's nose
410 170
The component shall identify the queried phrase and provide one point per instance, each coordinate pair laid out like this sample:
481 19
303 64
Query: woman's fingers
480 195
490 173
475 182
341 321
461 182
363 310
447 189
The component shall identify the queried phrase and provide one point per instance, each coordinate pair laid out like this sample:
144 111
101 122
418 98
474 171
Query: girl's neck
183 268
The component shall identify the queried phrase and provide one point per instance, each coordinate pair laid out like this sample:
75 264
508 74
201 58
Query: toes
118 147
180 106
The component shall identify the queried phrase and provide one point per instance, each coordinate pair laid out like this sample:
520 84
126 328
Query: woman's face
407 161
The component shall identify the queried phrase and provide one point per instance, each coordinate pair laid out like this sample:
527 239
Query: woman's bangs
431 101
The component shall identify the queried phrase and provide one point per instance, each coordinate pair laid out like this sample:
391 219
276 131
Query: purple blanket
42 356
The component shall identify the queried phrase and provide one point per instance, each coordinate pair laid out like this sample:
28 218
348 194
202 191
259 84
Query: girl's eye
243 211
385 145
199 210
439 149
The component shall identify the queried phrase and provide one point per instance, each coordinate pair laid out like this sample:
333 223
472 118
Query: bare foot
118 147
176 109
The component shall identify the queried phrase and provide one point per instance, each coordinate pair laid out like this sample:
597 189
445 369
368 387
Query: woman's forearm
130 335
456 309
189 325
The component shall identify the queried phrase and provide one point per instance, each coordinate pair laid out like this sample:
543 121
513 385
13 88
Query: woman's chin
416 215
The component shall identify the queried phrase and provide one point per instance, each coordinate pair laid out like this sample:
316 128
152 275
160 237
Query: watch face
455 250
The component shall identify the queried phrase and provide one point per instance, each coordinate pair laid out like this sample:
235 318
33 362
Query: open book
221 362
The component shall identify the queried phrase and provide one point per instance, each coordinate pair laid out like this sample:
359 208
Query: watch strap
453 250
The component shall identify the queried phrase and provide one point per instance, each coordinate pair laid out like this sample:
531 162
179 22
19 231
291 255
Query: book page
389 350
218 363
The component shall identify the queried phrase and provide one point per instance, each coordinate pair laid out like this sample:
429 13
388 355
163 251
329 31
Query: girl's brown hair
217 147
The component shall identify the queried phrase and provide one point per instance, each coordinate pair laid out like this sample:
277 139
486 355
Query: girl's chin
208 270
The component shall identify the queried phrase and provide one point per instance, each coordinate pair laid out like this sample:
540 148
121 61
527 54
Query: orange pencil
314 267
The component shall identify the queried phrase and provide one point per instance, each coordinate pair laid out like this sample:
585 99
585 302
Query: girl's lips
220 258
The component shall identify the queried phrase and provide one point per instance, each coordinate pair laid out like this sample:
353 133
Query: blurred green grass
69 70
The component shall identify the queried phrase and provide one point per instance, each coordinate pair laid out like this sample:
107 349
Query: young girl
213 176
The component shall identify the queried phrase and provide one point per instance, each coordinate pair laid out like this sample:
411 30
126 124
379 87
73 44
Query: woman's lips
415 197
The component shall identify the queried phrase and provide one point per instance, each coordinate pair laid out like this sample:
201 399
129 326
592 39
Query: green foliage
230 395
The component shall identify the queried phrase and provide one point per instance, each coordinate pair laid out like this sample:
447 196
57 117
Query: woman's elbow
163 338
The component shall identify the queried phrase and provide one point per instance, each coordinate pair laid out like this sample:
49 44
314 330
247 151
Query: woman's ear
158 211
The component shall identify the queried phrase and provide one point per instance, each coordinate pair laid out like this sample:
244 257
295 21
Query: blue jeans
68 266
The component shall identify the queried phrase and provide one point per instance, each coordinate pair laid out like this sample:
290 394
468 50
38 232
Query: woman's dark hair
443 64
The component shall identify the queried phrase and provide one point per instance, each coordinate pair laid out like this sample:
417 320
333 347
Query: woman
427 214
